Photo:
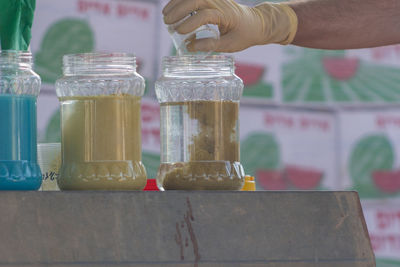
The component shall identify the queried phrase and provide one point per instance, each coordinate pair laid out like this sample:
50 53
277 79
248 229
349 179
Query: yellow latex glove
240 26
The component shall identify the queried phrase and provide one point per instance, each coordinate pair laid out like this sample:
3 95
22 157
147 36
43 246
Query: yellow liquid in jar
101 143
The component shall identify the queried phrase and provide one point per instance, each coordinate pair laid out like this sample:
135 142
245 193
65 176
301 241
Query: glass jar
19 88
199 98
100 97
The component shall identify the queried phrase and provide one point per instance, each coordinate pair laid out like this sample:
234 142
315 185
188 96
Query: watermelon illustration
260 90
251 74
372 153
271 179
387 181
320 76
260 151
66 36
341 69
304 178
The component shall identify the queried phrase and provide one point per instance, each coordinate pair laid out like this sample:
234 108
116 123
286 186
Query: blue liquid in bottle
19 169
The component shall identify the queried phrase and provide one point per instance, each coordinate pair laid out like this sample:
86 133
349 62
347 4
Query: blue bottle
19 88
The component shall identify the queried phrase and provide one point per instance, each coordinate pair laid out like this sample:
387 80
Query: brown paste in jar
214 150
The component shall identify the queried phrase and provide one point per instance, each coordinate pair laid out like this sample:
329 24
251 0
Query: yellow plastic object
249 183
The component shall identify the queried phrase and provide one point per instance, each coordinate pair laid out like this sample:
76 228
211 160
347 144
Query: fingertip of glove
183 29
167 20
166 8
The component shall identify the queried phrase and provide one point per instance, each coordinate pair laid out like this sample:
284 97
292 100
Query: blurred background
310 119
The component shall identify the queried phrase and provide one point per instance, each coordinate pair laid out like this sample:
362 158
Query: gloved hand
240 26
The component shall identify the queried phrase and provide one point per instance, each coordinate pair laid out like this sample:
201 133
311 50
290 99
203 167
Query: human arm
346 24
240 26
328 24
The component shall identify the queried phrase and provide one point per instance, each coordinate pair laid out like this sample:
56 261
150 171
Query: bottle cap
249 183
151 185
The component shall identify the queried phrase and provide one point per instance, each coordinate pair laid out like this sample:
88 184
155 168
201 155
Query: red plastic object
341 69
303 178
271 179
387 181
151 185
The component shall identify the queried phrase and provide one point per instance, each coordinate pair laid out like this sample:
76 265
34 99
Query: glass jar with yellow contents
100 96
199 98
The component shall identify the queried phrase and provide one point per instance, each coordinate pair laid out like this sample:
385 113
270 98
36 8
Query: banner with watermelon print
383 221
79 26
151 136
289 148
303 148
259 70
348 148
370 148
322 77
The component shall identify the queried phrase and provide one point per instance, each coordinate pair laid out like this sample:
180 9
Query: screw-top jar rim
217 64
94 74
16 74
21 58
98 63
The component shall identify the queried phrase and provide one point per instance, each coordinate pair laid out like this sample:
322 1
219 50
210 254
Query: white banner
383 221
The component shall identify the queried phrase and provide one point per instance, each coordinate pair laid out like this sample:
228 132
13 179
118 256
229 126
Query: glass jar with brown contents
199 98
100 98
